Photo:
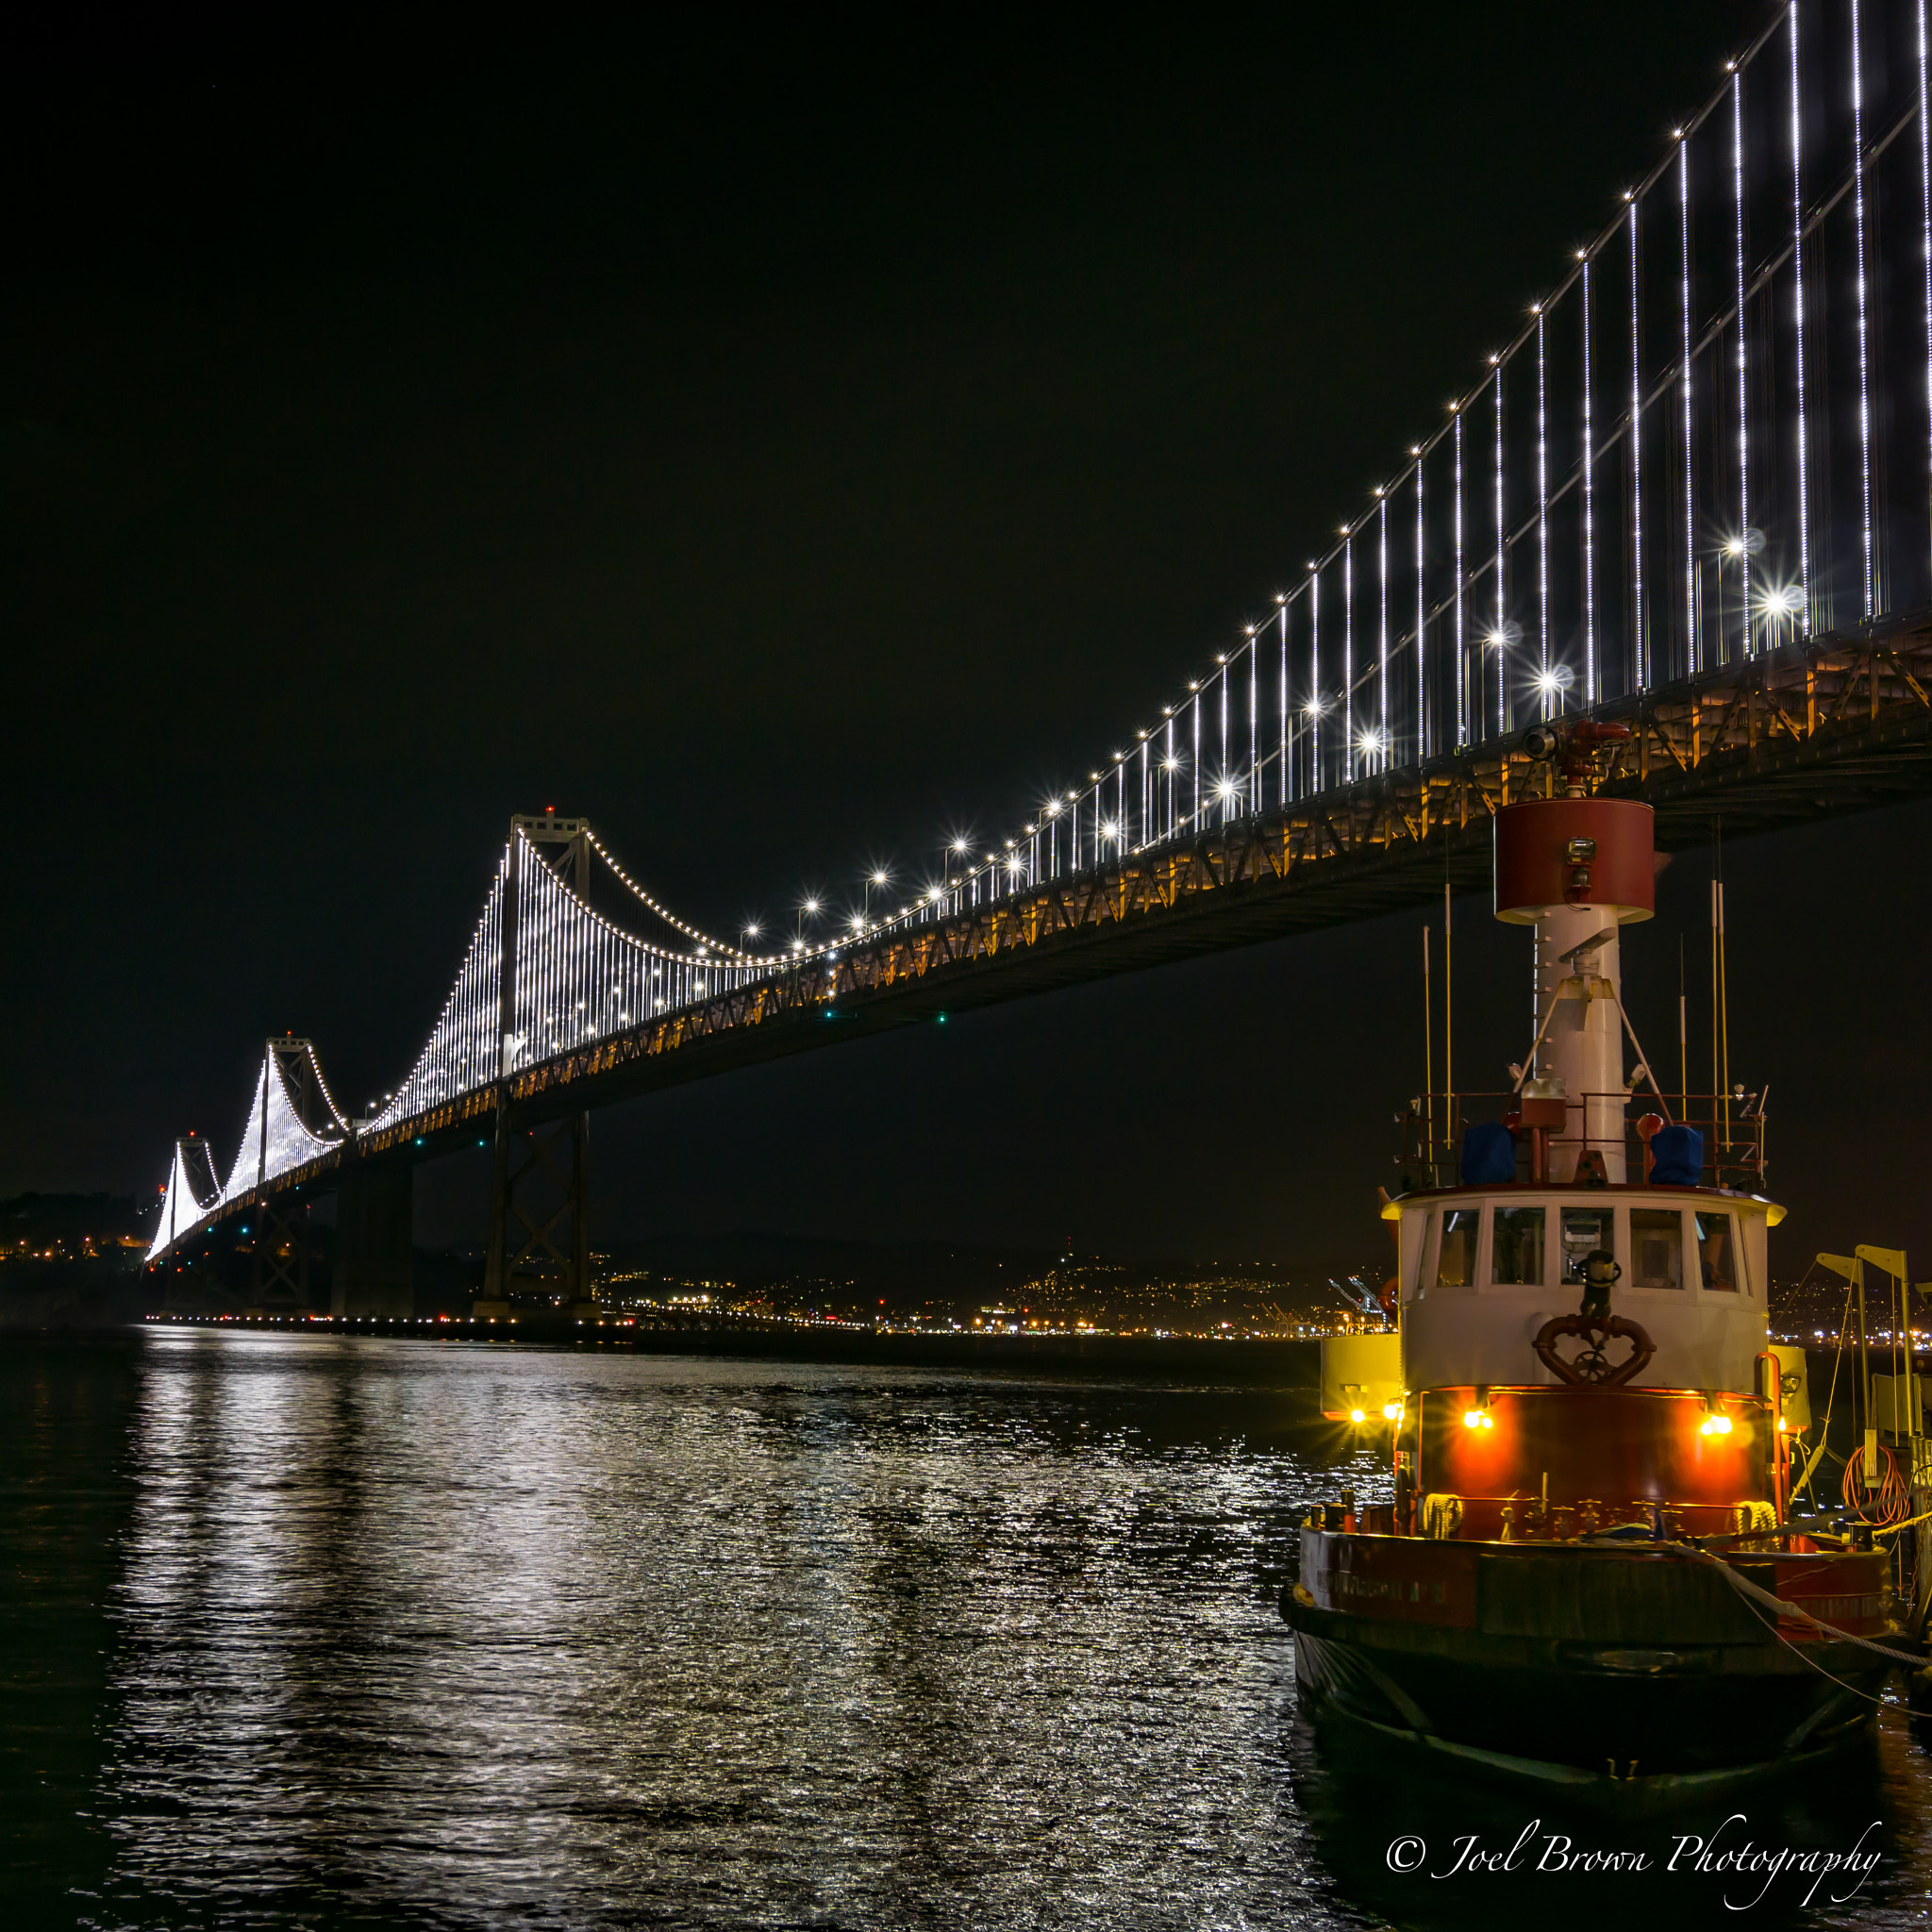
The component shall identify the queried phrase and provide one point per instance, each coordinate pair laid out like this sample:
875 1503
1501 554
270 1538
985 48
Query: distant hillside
69 1224
788 1273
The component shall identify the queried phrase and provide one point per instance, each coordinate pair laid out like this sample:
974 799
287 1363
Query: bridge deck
1840 725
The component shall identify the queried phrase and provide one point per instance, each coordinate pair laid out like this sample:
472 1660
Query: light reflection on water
433 1634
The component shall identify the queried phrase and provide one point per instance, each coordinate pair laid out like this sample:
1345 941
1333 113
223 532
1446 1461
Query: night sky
782 447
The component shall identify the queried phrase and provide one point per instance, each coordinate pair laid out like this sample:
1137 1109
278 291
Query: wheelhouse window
1455 1250
1656 1247
1717 1252
1584 1231
1516 1247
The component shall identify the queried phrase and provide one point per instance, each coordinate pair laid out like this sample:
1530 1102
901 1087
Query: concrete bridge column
375 1250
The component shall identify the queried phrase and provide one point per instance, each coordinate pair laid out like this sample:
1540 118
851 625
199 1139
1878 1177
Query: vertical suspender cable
1924 237
1348 734
1543 512
1864 367
1501 642
1282 783
1798 314
1462 732
1640 668
1422 618
1314 677
1590 690
1690 482
1744 351
1382 641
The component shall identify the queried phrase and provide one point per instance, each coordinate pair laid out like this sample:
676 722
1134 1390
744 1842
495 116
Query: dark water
315 1632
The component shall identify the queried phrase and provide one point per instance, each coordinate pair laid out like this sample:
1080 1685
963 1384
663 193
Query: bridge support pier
539 1229
276 1227
376 1249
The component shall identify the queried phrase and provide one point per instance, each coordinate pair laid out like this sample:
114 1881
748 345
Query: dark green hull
1630 1682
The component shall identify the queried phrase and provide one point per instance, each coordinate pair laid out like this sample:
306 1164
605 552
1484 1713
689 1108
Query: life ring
1591 1368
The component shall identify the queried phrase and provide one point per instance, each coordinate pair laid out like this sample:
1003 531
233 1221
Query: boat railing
1434 1127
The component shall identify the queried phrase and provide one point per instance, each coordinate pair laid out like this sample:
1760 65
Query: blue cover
1676 1156
1489 1155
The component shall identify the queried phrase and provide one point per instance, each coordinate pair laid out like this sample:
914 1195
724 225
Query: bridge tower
284 1241
539 1205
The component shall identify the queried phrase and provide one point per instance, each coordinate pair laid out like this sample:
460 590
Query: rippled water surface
316 1632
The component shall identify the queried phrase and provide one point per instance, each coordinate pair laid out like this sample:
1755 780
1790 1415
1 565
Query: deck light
1392 1411
1355 1415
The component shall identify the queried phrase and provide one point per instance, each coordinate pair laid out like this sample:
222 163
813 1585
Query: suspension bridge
1691 495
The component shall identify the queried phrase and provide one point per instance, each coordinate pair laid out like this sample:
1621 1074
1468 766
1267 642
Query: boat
1590 1577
